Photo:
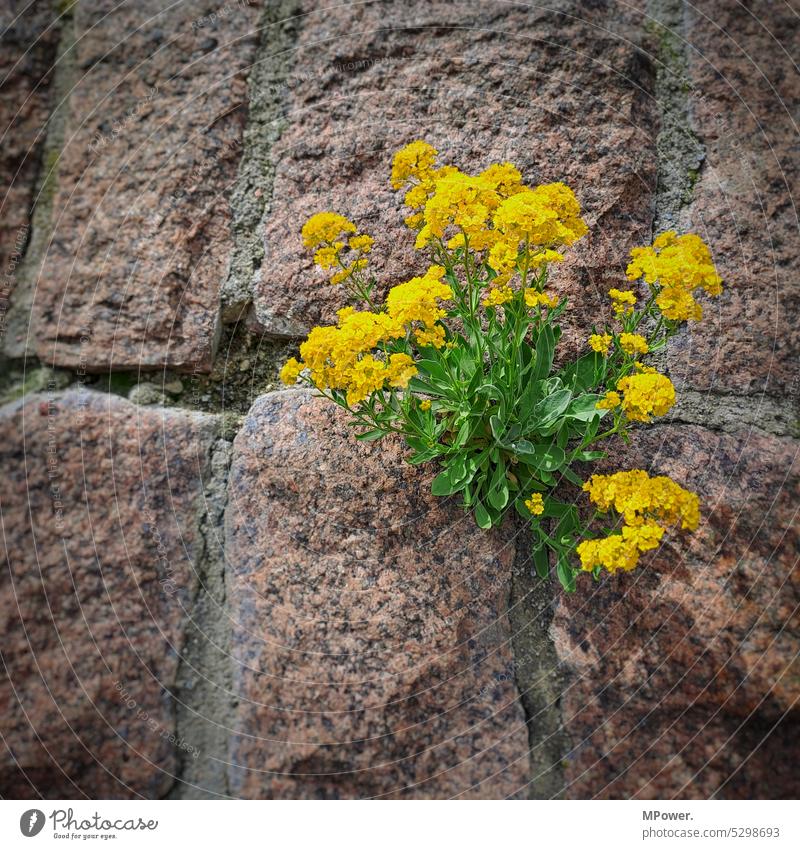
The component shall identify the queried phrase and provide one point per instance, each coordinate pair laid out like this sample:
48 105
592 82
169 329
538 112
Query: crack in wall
537 672
734 413
252 194
680 153
19 336
204 700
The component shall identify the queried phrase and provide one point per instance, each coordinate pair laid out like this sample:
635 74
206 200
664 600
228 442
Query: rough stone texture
99 505
370 639
563 92
141 230
30 36
744 104
683 678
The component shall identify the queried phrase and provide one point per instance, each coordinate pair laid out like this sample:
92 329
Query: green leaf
546 457
497 428
443 484
433 368
370 435
571 476
545 349
584 408
588 456
416 384
566 574
482 517
552 406
541 561
585 373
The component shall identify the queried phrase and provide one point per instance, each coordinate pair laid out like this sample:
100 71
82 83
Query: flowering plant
460 360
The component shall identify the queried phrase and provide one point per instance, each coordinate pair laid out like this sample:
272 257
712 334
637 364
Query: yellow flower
619 552
418 299
609 402
414 160
497 296
679 265
640 499
327 257
325 227
414 222
361 243
425 404
547 216
534 299
291 371
503 257
535 504
623 302
600 344
401 370
431 337
647 505
367 376
633 343
677 304
539 258
645 395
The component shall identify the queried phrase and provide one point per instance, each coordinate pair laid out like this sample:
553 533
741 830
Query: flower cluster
329 233
417 303
356 355
518 227
344 357
641 395
676 267
648 506
460 361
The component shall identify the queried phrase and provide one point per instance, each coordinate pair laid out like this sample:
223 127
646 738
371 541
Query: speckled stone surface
99 506
370 638
682 677
745 99
562 90
30 37
141 218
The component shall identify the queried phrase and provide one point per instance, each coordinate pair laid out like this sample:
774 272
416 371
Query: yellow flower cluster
533 298
344 356
491 211
324 228
622 301
600 343
647 505
323 231
680 265
644 394
619 551
496 296
637 497
540 220
417 303
535 504
414 161
633 343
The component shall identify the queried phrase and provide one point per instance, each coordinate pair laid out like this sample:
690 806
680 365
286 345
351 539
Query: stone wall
209 588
